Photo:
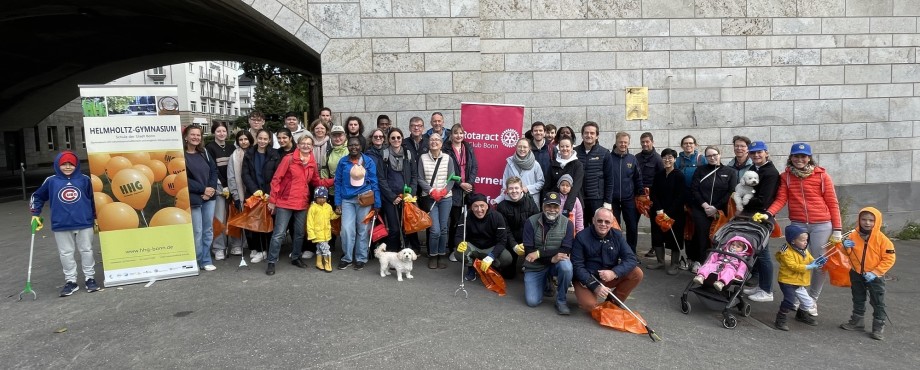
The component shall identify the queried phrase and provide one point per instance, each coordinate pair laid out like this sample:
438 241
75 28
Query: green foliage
911 230
278 91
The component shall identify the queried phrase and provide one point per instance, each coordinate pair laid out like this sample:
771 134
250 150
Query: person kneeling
547 246
486 236
601 254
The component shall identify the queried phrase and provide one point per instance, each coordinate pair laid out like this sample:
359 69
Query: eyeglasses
712 155
603 222
377 137
395 138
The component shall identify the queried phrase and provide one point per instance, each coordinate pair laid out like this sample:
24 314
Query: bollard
22 172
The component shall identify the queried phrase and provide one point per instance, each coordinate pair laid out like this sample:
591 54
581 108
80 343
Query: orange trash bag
643 203
612 316
233 231
777 232
721 220
837 267
664 222
255 216
491 278
414 219
336 226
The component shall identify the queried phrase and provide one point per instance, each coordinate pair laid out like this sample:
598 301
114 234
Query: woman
668 198
285 143
434 169
235 178
564 132
567 163
523 165
290 197
259 164
355 176
466 166
202 189
321 142
689 159
764 195
354 127
220 151
710 193
378 140
397 173
809 191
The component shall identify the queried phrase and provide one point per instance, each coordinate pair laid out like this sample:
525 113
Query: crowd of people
567 216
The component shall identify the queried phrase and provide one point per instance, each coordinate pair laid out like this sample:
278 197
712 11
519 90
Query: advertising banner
133 140
493 130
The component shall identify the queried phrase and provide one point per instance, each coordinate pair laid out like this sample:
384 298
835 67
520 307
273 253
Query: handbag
380 229
366 198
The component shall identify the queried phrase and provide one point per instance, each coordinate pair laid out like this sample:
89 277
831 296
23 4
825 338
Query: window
213 108
191 68
83 135
159 82
38 141
191 86
68 137
52 135
193 106
158 71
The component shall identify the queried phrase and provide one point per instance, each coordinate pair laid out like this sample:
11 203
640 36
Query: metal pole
22 172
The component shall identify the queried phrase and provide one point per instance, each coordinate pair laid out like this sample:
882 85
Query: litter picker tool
463 265
28 288
682 262
613 298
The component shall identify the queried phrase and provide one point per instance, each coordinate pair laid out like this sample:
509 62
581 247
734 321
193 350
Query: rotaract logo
69 194
510 138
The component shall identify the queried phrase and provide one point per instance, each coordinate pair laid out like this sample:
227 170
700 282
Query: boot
878 327
855 323
442 262
432 262
327 263
803 316
780 323
320 262
673 267
659 256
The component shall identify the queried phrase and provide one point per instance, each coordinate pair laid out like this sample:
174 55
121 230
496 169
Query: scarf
564 162
461 160
803 173
396 158
319 149
525 163
236 160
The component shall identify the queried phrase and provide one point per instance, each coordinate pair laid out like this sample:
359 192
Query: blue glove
821 260
869 276
813 265
849 244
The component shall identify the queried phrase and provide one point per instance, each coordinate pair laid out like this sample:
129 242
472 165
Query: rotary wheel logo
69 194
510 138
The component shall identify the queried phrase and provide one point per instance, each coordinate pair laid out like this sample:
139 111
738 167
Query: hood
876 229
743 240
57 163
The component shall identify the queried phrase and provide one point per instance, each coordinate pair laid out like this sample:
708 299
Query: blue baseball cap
757 146
799 148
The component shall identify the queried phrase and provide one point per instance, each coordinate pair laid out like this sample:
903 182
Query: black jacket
649 164
598 168
472 169
716 189
516 215
268 170
765 191
410 144
669 194
574 169
490 231
591 253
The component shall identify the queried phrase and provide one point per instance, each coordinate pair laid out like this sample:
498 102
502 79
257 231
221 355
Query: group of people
569 212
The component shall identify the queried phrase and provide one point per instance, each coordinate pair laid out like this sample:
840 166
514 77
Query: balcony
156 74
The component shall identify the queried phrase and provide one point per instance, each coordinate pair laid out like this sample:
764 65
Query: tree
278 91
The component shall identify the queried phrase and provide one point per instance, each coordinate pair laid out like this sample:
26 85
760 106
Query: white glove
608 206
836 237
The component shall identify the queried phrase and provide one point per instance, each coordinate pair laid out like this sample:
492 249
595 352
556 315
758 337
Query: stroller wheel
684 306
729 322
745 309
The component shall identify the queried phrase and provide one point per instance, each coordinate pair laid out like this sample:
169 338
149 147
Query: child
319 227
871 254
795 265
72 218
578 214
727 267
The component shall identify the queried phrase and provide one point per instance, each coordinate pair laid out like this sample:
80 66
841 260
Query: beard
551 216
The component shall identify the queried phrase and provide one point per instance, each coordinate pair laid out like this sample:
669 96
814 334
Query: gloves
259 193
462 247
437 194
36 223
813 265
760 217
869 276
836 237
821 260
519 249
486 262
225 192
849 244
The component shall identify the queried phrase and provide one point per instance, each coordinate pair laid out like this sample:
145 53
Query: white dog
744 191
401 261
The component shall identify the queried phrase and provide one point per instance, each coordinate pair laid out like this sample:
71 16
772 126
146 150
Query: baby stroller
758 234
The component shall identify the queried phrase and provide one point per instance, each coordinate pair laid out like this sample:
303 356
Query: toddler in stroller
725 266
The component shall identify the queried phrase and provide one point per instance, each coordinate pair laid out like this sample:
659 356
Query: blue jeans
764 267
282 217
354 231
535 282
203 232
627 207
437 234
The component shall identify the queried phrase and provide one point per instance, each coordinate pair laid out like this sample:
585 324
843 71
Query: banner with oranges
134 142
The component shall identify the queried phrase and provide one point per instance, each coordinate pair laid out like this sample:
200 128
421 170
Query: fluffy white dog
744 191
401 261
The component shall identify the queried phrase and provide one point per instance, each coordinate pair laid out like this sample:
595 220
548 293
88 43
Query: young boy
72 218
578 214
319 227
871 254
795 265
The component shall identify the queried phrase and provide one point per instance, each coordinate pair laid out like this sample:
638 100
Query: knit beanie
793 232
564 178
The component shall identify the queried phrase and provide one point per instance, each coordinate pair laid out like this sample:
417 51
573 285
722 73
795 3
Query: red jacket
289 184
811 200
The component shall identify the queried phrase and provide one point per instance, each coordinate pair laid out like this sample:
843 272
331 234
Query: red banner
493 130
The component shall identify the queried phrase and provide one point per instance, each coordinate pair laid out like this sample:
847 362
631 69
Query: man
416 141
541 147
256 123
742 161
600 253
597 187
516 208
325 115
292 122
437 125
764 194
627 182
383 123
486 236
547 247
650 163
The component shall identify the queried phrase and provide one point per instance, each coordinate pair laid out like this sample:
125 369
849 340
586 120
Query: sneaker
452 258
695 267
470 274
91 285
718 285
344 265
69 288
219 255
236 251
761 296
259 256
210 267
307 255
813 311
650 253
359 266
698 279
562 308
751 291
253 253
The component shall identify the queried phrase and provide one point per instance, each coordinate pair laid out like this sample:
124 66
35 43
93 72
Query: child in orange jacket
871 255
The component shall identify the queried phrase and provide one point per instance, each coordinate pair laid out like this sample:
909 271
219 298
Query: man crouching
601 252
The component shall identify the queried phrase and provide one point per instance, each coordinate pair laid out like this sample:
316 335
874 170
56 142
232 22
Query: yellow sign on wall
636 103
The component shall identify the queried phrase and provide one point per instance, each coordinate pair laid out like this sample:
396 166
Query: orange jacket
876 256
811 200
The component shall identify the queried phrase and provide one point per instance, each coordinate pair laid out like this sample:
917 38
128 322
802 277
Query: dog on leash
744 191
401 261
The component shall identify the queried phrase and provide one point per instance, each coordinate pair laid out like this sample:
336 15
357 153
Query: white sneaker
718 285
236 251
210 267
307 255
695 267
219 255
258 257
452 258
761 296
253 253
813 310
698 279
751 291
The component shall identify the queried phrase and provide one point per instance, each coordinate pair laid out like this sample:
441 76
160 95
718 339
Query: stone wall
840 74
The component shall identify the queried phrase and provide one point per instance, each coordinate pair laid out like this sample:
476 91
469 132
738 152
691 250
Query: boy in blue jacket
73 212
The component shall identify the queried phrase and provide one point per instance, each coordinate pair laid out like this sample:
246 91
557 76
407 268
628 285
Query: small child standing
725 266
319 227
795 265
577 216
871 254
73 212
